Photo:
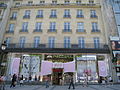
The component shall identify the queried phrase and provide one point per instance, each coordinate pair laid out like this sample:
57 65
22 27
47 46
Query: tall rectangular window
80 14
52 26
91 1
93 14
96 42
81 42
11 27
78 1
51 42
14 15
36 41
67 27
67 1
25 26
95 27
27 14
67 43
42 1
30 2
22 42
54 1
39 14
38 26
53 14
67 13
80 27
8 41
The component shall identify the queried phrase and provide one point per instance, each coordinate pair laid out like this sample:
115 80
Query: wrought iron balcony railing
58 45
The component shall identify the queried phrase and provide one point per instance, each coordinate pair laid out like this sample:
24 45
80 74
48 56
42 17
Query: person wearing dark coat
14 79
71 83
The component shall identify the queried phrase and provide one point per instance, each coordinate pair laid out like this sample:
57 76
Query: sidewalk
78 87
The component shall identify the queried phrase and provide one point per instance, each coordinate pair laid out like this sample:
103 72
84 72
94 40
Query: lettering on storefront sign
57 65
85 58
100 57
59 56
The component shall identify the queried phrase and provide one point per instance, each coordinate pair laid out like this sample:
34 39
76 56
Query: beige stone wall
59 23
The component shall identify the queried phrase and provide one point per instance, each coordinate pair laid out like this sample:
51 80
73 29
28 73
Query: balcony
95 31
24 30
80 31
58 48
93 16
67 16
53 16
37 30
9 32
39 16
67 31
80 16
26 17
52 30
13 18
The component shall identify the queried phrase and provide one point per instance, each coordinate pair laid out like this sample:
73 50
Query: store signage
115 45
100 57
57 65
59 58
85 58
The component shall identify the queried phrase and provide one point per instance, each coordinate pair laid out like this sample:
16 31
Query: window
38 27
67 42
80 14
40 14
30 2
53 14
67 13
22 42
54 1
11 27
8 41
25 27
67 27
95 27
96 42
51 42
36 41
27 14
93 14
78 1
80 27
42 2
91 1
67 1
14 15
52 26
81 42
17 4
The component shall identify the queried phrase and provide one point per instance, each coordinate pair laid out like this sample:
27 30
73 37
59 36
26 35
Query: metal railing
59 4
58 45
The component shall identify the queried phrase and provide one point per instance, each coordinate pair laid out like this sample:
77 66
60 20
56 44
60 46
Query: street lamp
3 47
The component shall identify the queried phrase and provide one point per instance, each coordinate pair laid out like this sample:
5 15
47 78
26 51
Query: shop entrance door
57 75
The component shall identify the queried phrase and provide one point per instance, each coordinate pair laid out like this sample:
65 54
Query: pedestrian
21 80
110 80
1 83
46 81
85 83
14 81
71 82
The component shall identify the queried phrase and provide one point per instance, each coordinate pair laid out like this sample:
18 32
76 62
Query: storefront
57 66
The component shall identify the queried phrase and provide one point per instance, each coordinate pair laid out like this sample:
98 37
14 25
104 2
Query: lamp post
3 47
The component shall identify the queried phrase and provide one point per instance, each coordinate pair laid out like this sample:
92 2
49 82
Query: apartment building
57 31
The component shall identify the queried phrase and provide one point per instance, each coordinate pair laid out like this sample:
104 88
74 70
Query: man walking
71 82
